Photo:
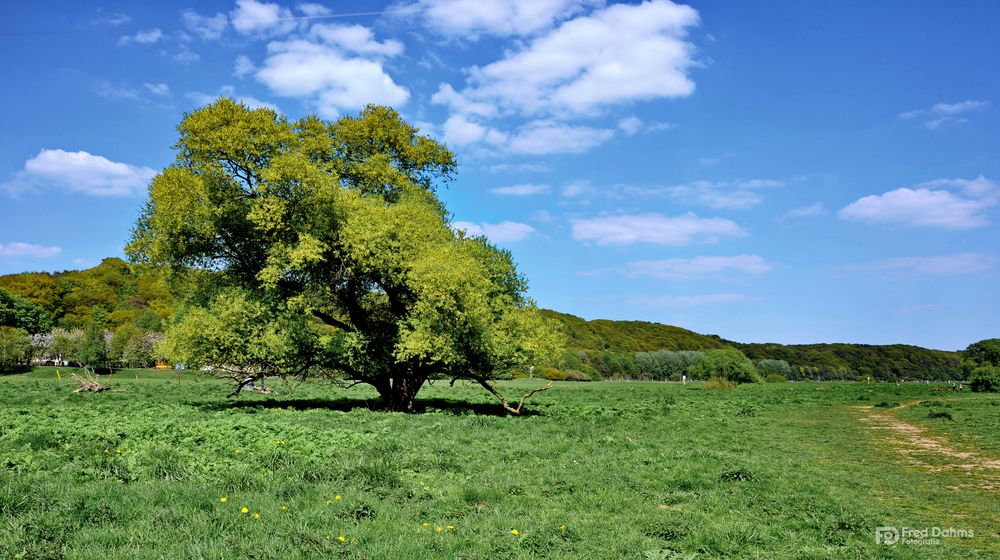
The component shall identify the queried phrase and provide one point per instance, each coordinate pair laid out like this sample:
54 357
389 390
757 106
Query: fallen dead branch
506 404
87 383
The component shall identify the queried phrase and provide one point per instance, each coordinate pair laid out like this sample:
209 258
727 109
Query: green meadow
165 467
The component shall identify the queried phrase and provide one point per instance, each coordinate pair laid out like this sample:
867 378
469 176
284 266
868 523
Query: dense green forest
133 301
603 347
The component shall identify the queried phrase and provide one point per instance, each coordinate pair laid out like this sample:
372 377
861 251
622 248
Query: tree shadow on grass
452 407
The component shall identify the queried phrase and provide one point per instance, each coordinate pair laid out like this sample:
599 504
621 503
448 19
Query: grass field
162 467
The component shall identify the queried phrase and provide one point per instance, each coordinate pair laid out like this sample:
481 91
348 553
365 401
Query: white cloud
459 131
654 228
207 27
252 17
577 189
186 56
147 37
109 90
810 211
157 89
470 18
526 189
739 194
941 265
229 91
79 172
945 113
308 70
501 232
313 10
243 66
519 168
355 38
698 267
547 137
633 125
620 54
446 95
687 301
19 249
630 125
929 204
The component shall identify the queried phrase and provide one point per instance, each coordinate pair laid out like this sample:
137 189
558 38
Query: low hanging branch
506 404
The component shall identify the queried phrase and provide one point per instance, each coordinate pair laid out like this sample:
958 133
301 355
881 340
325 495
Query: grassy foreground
163 467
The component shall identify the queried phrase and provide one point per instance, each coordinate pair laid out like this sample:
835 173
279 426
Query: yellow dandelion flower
236 451
244 510
118 451
284 508
224 499
451 527
515 532
562 527
338 498
256 515
425 525
438 529
342 538
328 502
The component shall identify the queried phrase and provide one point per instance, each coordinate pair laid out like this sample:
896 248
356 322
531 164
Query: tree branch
506 404
332 321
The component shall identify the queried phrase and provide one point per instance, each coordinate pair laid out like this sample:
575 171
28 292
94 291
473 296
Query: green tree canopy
984 352
326 246
727 364
21 313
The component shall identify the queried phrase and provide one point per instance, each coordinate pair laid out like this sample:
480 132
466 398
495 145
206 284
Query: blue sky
782 171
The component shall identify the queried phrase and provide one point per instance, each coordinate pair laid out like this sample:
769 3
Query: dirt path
930 452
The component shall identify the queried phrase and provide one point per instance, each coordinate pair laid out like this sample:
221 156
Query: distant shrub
774 367
985 379
576 375
552 374
775 378
726 364
719 383
943 414
518 374
884 404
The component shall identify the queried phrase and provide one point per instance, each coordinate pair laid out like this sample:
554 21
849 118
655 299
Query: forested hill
141 299
614 338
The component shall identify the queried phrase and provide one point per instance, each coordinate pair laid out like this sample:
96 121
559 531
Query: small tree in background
93 353
15 349
985 379
729 364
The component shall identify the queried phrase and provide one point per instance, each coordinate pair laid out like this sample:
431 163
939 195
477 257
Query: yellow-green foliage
333 226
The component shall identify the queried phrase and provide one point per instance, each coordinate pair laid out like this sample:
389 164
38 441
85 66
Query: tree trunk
400 394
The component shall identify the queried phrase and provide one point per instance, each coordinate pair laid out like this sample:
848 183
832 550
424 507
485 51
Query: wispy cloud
20 249
939 265
810 211
698 267
945 203
500 232
525 189
147 37
686 301
654 229
945 113
735 195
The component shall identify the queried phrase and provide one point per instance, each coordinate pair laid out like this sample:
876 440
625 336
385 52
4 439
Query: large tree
322 248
